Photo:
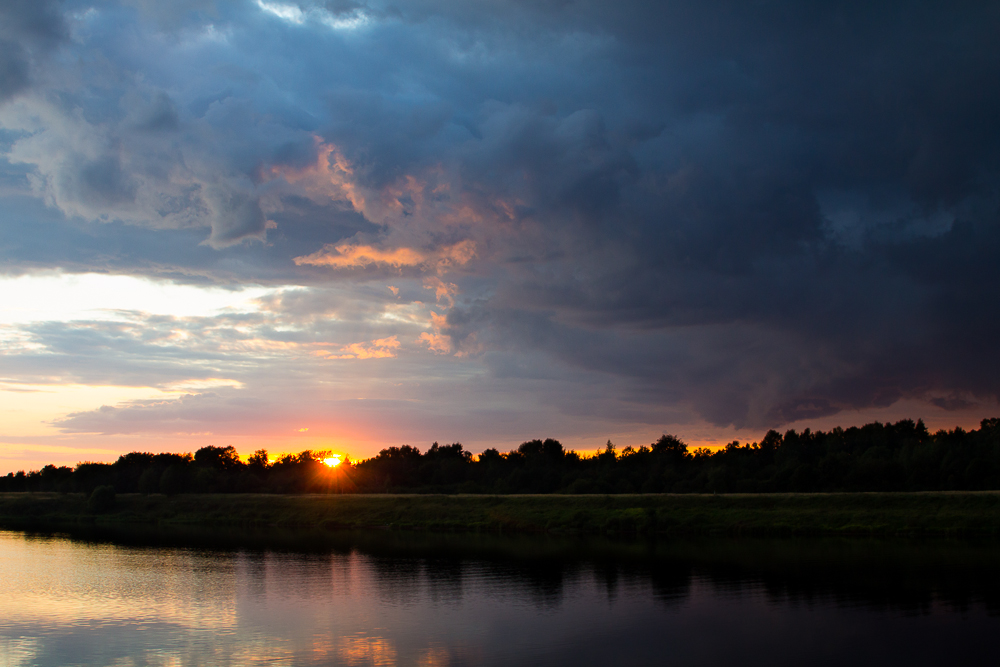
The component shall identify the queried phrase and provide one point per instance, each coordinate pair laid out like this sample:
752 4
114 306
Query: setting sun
332 460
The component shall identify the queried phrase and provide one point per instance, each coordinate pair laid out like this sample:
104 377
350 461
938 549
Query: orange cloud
458 254
440 343
409 188
427 196
348 256
442 290
437 343
381 348
438 321
353 256
330 176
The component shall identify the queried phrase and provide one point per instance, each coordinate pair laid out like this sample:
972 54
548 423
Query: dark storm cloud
761 212
811 230
28 30
13 69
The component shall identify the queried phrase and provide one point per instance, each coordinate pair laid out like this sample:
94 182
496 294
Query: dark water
402 599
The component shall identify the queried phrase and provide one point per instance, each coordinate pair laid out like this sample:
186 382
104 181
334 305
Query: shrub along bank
926 513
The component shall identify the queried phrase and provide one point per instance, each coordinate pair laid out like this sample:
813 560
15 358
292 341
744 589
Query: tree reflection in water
388 598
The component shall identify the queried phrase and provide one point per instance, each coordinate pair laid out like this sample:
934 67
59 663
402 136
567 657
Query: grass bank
931 513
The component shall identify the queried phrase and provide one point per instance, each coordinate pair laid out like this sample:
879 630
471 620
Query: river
384 598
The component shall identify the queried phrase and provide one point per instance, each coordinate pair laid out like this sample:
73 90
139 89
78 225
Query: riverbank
931 513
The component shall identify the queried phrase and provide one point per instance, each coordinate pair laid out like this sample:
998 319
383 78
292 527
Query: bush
206 480
173 480
581 485
149 481
102 499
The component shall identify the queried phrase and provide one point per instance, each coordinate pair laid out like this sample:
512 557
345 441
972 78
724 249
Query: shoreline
947 513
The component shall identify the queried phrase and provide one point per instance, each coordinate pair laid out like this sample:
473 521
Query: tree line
903 456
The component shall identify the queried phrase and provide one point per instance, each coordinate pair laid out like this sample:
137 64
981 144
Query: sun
332 461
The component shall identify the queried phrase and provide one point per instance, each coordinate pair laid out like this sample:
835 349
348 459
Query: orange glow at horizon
333 461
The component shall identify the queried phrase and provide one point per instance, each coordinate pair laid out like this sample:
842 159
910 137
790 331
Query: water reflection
383 598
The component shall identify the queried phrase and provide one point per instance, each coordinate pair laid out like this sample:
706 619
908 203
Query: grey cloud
143 349
306 224
39 21
188 413
13 69
562 168
28 31
727 372
156 115
236 215
99 182
176 14
38 238
423 412
139 170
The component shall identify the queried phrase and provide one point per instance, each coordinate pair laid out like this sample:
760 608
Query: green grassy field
948 513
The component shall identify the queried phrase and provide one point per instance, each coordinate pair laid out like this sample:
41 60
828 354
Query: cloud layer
649 213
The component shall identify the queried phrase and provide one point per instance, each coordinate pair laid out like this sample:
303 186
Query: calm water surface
398 599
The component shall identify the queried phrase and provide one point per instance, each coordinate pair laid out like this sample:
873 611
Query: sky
350 225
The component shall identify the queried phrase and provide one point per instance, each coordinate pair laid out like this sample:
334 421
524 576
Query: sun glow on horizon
333 461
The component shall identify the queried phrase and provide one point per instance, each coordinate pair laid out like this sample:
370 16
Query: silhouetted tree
873 457
218 458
